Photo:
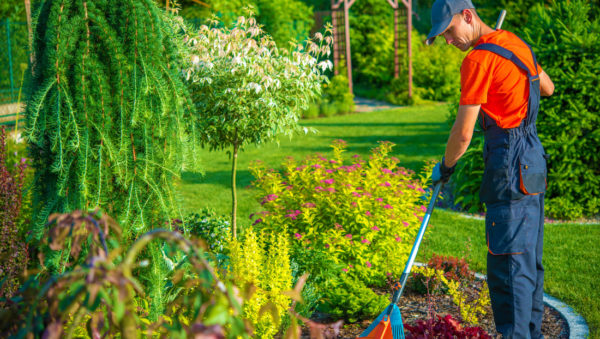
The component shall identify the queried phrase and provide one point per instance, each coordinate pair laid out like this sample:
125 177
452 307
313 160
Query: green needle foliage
107 119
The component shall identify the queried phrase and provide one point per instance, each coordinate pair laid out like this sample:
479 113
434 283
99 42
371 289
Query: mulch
414 306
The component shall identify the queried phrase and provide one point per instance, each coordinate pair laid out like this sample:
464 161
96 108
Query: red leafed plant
444 328
454 268
13 252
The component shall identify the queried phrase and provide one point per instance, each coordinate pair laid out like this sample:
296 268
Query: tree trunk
233 190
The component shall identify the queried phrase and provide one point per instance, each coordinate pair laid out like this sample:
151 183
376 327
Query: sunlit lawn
571 254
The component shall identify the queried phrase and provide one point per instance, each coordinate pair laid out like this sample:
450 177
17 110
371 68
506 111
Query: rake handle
415 248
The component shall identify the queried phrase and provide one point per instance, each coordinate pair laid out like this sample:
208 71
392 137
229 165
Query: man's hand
441 172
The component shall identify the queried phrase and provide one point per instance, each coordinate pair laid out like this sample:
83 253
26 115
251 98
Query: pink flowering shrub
365 213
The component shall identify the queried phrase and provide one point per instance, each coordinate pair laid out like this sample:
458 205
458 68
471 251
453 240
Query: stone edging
578 327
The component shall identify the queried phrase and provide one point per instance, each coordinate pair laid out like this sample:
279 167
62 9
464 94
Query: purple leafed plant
13 252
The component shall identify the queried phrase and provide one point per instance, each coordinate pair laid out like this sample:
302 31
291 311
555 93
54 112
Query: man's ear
467 15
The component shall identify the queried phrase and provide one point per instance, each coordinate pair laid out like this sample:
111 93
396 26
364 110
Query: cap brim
437 30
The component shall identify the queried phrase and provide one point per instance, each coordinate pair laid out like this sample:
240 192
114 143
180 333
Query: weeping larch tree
108 119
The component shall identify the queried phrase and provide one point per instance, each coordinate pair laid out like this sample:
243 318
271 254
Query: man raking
501 85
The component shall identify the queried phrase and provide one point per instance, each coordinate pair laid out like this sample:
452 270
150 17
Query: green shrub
261 262
566 39
312 111
398 92
357 212
337 93
284 20
465 183
350 299
436 69
372 41
328 109
210 227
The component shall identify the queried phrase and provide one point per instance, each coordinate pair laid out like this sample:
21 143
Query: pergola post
335 33
408 4
335 5
29 32
347 5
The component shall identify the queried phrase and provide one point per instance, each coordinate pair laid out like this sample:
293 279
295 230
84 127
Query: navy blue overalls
513 186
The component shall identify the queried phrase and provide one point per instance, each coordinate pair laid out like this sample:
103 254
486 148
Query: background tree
247 90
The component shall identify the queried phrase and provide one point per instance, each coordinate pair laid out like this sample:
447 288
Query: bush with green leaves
436 69
247 90
328 109
312 111
285 20
337 92
565 40
336 99
357 211
351 300
210 227
372 42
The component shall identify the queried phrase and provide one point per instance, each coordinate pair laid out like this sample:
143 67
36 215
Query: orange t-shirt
497 83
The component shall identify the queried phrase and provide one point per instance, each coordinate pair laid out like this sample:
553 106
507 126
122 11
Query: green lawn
420 133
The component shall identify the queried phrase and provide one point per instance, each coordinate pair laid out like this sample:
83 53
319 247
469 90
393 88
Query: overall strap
505 53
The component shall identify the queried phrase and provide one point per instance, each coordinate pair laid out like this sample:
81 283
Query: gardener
501 84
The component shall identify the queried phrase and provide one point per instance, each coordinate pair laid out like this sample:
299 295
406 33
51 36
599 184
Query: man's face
459 32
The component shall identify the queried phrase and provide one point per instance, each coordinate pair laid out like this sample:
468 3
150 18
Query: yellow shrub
262 262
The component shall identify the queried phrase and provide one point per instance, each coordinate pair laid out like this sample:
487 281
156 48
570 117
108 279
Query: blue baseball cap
442 13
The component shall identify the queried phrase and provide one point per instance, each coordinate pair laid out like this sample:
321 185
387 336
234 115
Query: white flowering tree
248 90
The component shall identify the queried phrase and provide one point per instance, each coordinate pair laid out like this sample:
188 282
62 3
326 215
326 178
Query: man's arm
461 133
546 85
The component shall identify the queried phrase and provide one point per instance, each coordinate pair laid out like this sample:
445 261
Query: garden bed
414 306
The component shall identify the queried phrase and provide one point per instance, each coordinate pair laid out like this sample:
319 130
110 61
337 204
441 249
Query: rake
389 323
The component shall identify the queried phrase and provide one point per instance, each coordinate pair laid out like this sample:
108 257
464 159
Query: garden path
363 105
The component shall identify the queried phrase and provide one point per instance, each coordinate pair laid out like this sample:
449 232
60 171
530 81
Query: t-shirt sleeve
539 69
475 82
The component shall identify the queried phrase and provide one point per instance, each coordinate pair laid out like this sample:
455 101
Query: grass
420 133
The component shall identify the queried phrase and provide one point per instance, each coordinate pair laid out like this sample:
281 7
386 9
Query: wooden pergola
341 46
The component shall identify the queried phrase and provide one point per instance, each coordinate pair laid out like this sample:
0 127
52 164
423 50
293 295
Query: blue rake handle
415 249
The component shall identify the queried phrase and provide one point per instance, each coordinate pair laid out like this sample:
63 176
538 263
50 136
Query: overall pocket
532 173
495 183
507 230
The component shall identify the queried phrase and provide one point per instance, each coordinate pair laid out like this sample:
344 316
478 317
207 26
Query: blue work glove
441 172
